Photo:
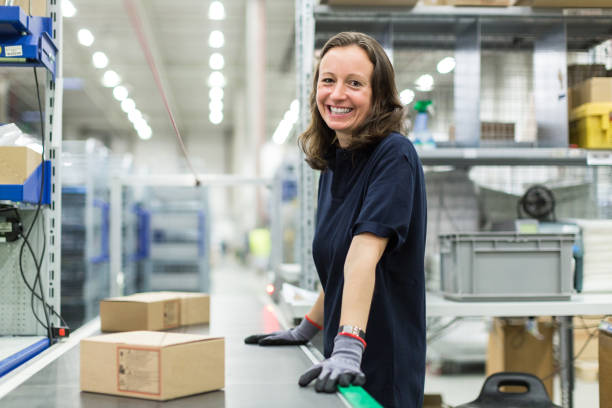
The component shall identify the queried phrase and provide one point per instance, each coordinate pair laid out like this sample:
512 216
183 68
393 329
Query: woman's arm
359 277
316 312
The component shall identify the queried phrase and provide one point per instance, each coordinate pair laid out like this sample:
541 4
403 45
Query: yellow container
591 126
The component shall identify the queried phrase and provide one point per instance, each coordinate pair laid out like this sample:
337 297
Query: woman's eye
326 80
355 83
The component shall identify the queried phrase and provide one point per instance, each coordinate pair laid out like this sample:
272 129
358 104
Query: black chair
491 395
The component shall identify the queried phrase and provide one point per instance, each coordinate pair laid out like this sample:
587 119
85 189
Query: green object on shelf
421 106
358 397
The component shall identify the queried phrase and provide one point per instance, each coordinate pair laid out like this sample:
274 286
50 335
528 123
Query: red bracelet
355 337
312 322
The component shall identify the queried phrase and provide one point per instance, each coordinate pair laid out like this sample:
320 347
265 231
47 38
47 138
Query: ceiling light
99 59
295 106
446 65
145 133
215 117
216 11
85 37
281 134
406 96
120 93
215 105
424 83
216 61
215 93
216 39
134 116
111 79
216 78
68 9
128 105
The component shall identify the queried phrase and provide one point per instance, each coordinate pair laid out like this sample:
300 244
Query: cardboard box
433 401
17 163
195 307
152 365
33 7
568 3
482 3
371 3
605 363
154 311
512 348
585 333
593 90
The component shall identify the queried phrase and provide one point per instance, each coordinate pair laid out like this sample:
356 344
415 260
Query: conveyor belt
255 376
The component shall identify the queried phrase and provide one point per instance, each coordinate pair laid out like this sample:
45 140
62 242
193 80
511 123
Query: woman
370 233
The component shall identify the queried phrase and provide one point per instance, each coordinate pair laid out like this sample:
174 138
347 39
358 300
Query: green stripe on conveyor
358 397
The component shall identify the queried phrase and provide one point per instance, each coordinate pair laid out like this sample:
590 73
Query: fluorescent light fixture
215 117
111 79
216 79
216 61
215 105
424 83
215 93
295 106
216 39
99 59
68 9
120 93
134 116
216 11
85 37
446 65
128 105
144 132
406 96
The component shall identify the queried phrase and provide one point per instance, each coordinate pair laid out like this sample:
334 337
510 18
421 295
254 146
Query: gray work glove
292 337
342 368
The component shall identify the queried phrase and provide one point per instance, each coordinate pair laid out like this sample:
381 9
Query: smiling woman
369 240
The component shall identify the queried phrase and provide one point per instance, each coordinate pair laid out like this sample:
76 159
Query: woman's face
344 91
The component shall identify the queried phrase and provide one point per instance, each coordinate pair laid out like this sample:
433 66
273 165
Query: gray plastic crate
506 266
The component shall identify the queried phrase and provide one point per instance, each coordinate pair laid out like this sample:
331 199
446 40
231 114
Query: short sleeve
387 206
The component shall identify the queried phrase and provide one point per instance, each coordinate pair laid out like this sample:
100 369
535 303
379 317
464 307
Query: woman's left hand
342 368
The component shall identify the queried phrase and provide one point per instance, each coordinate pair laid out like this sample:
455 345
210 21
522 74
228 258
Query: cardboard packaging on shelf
17 163
154 311
512 348
152 365
605 363
370 3
598 89
33 7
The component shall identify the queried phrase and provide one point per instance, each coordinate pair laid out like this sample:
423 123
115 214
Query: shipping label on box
144 364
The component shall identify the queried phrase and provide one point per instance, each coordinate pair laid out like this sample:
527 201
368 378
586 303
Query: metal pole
304 46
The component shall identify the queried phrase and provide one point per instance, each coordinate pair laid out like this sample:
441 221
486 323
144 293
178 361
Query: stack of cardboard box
141 362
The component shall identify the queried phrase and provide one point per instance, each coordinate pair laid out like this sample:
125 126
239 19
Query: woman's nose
338 91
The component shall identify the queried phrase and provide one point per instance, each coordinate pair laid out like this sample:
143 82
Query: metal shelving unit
21 336
85 234
16 318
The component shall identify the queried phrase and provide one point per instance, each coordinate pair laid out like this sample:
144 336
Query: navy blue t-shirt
382 191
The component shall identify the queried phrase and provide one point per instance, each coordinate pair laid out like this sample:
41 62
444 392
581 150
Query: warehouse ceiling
177 35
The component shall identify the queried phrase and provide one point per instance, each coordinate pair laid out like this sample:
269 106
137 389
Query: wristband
354 332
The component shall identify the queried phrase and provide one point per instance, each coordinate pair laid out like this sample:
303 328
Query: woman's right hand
299 335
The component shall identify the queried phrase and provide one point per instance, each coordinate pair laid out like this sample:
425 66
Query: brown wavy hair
386 115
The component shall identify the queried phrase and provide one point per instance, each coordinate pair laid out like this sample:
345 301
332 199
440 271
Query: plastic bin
591 127
506 266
